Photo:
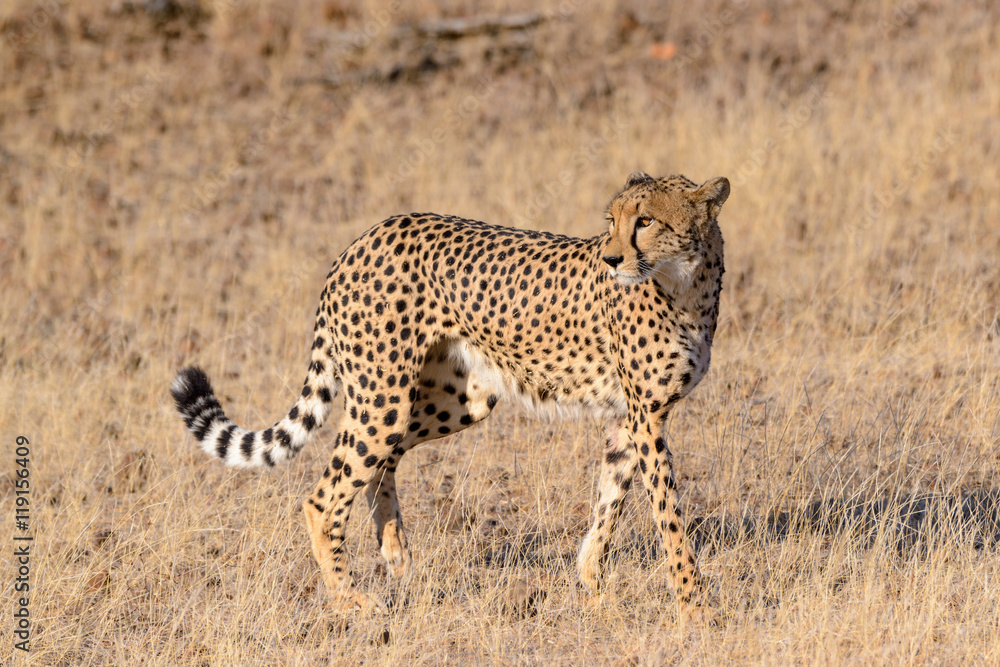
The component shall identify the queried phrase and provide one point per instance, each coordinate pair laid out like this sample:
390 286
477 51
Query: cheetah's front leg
618 465
657 472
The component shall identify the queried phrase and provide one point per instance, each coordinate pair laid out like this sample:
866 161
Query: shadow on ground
902 522
908 524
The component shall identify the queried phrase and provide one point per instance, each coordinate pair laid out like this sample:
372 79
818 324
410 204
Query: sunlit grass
174 194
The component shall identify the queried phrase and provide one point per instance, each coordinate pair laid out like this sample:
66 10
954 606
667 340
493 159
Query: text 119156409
22 544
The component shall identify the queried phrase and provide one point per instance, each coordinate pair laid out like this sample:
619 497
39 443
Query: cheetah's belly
600 395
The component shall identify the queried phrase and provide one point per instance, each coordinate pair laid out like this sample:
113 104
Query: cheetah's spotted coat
426 320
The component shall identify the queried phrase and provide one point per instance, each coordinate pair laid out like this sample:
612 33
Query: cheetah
426 321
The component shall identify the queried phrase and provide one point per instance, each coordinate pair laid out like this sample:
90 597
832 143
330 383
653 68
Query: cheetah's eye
643 221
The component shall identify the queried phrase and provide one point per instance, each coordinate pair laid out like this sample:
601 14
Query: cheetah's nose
613 260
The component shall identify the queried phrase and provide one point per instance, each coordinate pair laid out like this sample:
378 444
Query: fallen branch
475 25
398 72
444 30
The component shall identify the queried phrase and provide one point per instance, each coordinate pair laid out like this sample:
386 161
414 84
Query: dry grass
174 187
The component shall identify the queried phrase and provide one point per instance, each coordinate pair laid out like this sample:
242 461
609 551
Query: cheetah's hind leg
361 453
451 397
388 520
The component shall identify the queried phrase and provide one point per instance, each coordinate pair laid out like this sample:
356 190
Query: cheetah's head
660 226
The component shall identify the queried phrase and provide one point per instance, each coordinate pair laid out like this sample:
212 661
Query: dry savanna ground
176 176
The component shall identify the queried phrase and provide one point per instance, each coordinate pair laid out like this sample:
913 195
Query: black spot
390 418
613 457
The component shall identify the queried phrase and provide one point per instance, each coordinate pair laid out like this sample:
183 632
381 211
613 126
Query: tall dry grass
174 186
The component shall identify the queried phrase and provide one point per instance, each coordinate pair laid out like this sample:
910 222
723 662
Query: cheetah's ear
714 193
637 177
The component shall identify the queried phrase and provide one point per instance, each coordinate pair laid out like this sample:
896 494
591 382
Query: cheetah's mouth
627 278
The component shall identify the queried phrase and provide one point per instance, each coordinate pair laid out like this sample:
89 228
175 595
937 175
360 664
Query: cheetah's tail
239 447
